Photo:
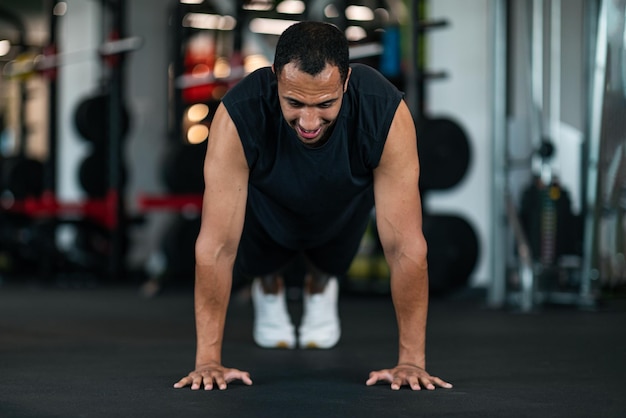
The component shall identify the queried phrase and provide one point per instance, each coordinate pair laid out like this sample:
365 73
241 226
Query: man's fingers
245 378
205 380
219 381
182 382
416 379
442 383
234 374
376 377
426 383
210 379
414 383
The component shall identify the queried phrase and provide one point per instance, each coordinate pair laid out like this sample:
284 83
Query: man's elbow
211 252
411 260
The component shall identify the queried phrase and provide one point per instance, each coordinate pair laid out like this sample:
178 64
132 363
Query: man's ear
345 85
273 69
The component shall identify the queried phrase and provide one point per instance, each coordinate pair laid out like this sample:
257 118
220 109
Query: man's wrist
208 362
418 360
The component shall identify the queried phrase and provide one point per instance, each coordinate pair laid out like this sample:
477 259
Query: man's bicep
398 206
226 184
224 150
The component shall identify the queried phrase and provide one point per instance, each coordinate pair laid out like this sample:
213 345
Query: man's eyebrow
329 101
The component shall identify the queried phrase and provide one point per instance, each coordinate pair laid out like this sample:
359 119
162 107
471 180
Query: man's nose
309 119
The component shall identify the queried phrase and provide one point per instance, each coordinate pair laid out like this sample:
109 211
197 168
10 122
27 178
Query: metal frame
597 83
498 37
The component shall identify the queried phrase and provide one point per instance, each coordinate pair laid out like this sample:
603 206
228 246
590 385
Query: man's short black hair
310 46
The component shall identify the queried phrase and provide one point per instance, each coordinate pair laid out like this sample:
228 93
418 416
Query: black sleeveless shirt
305 196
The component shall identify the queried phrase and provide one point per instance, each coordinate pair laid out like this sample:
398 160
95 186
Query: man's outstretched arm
223 211
399 224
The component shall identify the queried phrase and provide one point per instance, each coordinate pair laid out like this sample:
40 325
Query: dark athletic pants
259 255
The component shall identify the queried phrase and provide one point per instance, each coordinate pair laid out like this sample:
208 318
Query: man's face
310 104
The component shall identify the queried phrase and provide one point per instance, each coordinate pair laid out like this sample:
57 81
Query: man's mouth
308 134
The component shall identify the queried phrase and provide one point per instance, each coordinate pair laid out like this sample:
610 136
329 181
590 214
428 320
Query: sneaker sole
320 346
280 344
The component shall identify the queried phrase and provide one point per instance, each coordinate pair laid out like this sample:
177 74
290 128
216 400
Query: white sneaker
272 324
320 326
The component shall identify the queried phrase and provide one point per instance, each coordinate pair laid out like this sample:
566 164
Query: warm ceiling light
355 33
293 7
270 26
60 9
360 13
5 47
197 112
197 133
191 1
209 21
258 5
227 23
331 11
221 68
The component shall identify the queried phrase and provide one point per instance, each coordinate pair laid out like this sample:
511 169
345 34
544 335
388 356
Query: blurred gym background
105 107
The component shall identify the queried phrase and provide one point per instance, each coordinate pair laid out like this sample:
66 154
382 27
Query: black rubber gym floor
107 352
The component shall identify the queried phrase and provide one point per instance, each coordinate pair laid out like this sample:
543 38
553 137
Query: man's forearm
212 293
410 298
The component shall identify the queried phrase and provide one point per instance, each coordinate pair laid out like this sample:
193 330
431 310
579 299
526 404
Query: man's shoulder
366 81
366 75
260 75
358 68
